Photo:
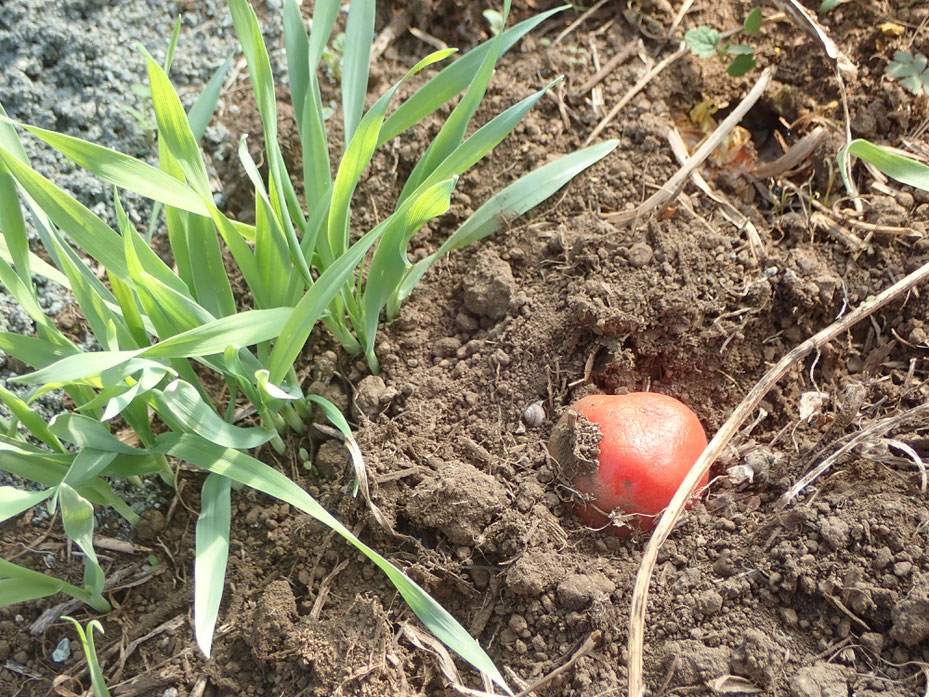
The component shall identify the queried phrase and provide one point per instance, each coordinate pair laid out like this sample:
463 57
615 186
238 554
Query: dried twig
671 189
716 446
851 222
578 22
804 147
395 27
324 587
734 214
679 17
636 88
426 642
585 649
621 56
871 432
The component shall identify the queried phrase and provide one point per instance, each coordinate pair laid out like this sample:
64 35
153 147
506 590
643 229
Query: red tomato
649 443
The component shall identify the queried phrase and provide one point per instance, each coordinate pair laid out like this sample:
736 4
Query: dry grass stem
872 432
673 186
800 152
623 55
732 213
578 22
715 448
634 90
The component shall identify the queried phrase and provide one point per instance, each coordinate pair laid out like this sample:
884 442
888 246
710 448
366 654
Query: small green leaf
828 5
753 22
703 41
911 70
741 65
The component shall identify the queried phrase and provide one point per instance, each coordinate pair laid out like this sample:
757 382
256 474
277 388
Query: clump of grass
303 262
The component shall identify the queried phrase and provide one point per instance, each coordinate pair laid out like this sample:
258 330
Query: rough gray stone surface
72 66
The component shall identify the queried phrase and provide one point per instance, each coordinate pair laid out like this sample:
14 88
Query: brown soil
827 597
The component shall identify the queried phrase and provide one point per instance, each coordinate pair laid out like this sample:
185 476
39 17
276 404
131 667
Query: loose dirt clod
574 445
489 287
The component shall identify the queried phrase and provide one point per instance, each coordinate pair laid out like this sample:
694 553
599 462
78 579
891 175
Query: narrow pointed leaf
452 79
185 404
244 469
359 35
212 554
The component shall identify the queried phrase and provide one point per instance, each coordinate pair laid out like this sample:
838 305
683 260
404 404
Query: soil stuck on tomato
574 446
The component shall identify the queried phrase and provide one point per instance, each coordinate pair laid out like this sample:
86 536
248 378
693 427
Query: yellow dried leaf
891 29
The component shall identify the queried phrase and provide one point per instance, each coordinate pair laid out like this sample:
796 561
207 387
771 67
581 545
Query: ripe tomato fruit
647 444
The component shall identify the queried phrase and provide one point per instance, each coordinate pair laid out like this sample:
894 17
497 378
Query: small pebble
640 254
62 652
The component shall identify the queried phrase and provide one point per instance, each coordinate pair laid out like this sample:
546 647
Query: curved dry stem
713 450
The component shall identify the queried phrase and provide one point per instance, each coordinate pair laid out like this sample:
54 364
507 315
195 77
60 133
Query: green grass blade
87 464
32 351
38 266
24 293
237 242
485 139
313 304
90 652
243 329
297 48
77 518
174 128
390 261
516 199
89 433
317 177
185 405
129 305
91 295
454 128
19 584
259 65
356 59
13 227
211 288
169 307
253 473
81 367
280 187
212 554
272 255
903 169
172 45
30 463
14 501
90 233
358 155
31 420
124 171
453 79
202 110
526 193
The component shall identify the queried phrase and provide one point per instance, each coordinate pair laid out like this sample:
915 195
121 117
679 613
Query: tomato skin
650 441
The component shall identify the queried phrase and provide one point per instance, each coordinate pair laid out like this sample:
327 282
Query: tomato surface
649 443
